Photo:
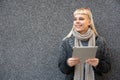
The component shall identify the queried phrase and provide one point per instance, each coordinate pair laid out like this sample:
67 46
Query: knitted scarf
84 71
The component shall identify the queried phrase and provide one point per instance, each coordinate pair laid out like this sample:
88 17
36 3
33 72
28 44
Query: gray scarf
84 71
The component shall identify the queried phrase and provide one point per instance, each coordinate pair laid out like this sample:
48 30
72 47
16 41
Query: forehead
80 15
82 11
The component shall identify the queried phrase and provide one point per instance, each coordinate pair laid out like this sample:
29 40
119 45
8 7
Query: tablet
84 52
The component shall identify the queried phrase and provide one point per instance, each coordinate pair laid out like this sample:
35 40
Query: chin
79 30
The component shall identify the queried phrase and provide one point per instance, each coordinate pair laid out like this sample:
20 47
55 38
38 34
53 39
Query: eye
81 18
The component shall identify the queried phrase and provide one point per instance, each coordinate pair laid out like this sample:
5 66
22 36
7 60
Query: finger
77 61
74 58
92 60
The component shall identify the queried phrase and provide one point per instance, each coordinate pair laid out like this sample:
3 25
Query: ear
89 22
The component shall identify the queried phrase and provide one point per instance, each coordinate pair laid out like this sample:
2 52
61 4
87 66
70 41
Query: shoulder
100 40
68 41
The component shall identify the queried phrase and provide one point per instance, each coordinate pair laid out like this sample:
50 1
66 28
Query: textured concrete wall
31 31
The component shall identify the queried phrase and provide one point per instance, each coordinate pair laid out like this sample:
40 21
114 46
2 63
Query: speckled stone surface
31 31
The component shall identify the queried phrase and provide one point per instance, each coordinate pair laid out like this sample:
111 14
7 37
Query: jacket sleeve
104 59
62 63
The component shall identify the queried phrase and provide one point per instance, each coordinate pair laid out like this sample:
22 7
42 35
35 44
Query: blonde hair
85 11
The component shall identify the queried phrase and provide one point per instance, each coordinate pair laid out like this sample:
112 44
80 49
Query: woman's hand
73 61
94 61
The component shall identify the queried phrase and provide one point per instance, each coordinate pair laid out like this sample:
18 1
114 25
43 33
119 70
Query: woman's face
81 23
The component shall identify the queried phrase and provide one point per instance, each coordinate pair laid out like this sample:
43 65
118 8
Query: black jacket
66 52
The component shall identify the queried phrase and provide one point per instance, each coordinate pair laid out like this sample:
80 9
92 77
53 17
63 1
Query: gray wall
31 31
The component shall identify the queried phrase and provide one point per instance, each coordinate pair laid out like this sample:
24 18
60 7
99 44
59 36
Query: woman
83 33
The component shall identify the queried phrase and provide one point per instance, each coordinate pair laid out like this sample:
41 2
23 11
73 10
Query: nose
77 22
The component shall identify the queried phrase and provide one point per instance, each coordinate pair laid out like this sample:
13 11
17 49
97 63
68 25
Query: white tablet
84 52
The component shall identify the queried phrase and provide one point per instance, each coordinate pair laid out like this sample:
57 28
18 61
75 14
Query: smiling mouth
78 26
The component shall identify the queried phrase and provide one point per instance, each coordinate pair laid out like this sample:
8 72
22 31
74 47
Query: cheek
73 22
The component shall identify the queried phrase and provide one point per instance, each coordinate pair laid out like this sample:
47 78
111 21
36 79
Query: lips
78 26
